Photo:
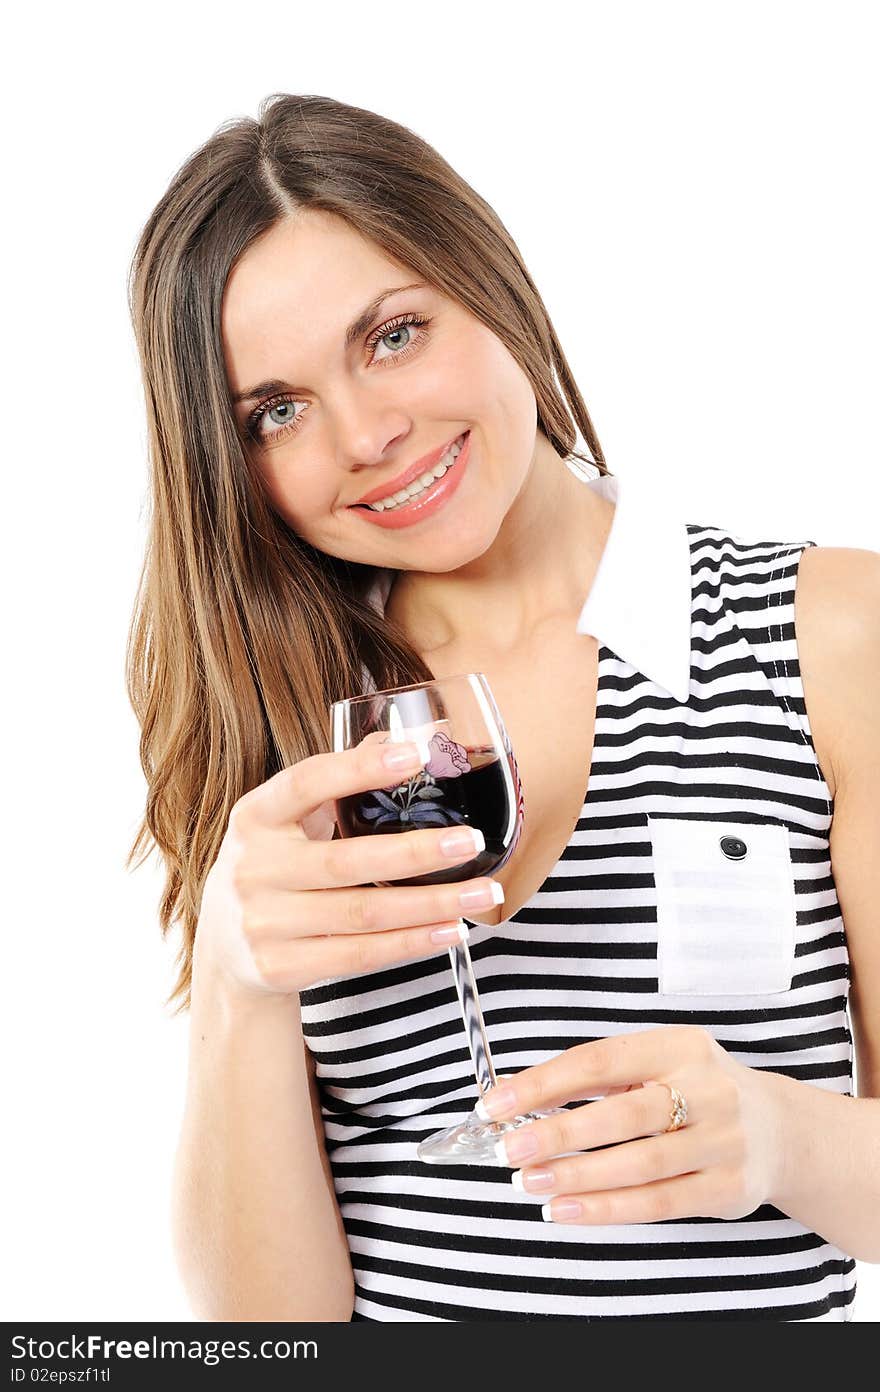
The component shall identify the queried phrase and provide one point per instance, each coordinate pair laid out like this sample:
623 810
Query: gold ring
679 1113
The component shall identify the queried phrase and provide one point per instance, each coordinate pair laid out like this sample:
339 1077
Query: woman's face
351 417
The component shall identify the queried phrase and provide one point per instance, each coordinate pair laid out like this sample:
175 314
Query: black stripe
835 1005
586 1251
833 1301
601 1289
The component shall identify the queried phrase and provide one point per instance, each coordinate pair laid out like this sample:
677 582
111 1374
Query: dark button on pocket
733 847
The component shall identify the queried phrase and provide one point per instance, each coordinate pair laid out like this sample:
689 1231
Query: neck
536 573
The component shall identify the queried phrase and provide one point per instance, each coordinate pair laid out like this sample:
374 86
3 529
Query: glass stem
469 1000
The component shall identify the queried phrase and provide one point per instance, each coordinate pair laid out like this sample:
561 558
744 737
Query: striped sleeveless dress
702 740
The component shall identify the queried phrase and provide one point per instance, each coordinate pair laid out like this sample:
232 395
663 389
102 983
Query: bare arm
257 1231
831 1177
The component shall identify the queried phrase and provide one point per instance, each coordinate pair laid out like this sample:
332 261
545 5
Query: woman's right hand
281 911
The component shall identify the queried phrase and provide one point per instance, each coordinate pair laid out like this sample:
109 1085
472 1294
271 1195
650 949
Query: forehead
304 278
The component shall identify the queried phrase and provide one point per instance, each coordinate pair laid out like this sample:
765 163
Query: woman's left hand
724 1162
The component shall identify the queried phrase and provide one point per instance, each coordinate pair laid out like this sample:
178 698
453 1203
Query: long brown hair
242 633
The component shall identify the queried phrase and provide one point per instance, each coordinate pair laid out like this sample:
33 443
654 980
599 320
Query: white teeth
420 484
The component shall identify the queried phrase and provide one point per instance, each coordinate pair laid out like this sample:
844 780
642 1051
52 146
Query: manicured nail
458 933
483 897
536 1181
463 841
561 1210
520 1145
404 756
500 1152
501 1100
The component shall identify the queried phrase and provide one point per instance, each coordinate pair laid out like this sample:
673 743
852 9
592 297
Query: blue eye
407 322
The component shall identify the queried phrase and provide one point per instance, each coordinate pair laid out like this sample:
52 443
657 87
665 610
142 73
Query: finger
355 860
320 825
285 964
626 1117
364 909
297 792
621 1166
686 1196
588 1070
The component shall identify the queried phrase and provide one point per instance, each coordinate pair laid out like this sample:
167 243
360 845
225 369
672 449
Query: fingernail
457 933
501 1100
520 1146
463 840
402 756
561 1209
534 1182
482 897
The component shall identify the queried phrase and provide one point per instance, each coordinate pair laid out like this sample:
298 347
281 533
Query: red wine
458 787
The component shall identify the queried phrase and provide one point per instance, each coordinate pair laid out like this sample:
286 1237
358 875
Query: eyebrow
354 331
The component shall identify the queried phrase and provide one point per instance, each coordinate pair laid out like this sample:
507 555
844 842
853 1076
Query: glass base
472 1142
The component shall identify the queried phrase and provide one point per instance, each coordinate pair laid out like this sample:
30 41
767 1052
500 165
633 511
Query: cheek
495 377
301 498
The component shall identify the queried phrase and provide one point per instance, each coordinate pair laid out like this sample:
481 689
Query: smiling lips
428 498
422 483
421 473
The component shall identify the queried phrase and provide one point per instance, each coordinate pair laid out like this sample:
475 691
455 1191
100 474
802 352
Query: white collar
639 605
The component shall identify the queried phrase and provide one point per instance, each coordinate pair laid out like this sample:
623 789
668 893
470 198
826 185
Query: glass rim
395 690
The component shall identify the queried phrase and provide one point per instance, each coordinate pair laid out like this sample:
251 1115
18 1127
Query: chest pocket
726 914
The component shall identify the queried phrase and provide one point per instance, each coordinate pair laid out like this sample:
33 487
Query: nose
370 447
366 430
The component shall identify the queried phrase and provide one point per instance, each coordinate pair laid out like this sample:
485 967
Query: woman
324 312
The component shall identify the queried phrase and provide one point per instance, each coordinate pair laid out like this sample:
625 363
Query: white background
693 188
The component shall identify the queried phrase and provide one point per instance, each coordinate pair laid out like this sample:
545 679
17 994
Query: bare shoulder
837 622
837 619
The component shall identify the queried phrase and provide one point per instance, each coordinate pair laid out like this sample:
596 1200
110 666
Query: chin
440 554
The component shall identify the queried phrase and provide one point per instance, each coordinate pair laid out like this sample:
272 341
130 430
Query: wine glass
471 779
